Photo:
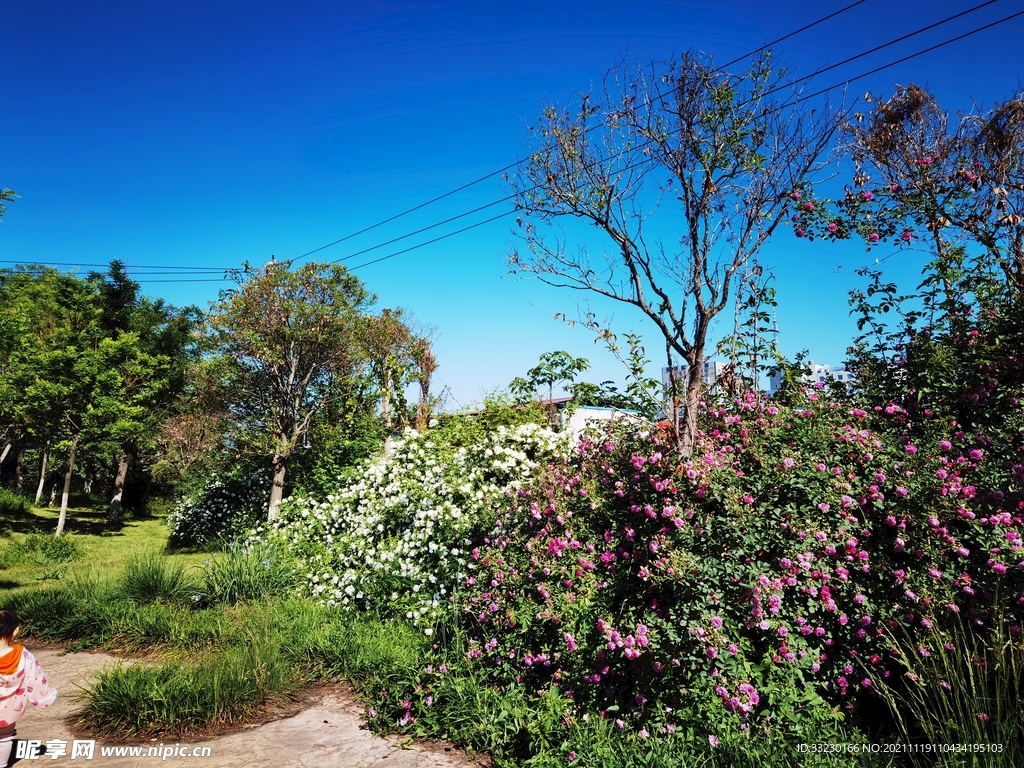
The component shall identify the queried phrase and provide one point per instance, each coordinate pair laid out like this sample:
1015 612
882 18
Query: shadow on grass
4 584
89 522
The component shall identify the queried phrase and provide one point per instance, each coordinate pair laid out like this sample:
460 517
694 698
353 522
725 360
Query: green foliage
241 574
335 450
643 395
13 504
500 409
553 368
6 196
151 577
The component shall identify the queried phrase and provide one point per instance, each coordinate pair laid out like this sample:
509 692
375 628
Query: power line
424 229
441 237
877 48
659 95
182 268
189 270
539 152
799 99
41 270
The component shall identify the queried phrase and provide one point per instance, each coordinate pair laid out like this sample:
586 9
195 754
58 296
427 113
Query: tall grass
40 548
226 686
13 504
150 577
240 574
963 686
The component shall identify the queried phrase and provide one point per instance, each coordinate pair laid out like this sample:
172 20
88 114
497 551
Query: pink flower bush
674 562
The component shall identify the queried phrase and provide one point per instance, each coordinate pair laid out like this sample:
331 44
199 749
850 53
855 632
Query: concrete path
327 734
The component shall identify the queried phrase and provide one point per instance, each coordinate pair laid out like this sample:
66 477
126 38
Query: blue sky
206 134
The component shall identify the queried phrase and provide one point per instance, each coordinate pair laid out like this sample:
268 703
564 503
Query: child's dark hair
8 623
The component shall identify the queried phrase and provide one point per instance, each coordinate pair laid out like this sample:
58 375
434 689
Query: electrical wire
181 268
520 162
659 96
799 99
517 163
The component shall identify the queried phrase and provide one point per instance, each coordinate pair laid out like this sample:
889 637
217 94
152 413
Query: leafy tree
553 368
637 396
6 196
291 337
731 150
390 350
152 375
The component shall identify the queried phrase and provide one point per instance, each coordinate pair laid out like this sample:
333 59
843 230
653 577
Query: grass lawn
225 638
30 556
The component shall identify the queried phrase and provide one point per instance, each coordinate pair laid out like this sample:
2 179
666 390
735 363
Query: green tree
291 337
390 350
553 368
6 196
157 349
733 151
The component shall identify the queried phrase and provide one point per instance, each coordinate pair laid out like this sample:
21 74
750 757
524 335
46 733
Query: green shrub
13 504
397 537
225 508
241 574
151 577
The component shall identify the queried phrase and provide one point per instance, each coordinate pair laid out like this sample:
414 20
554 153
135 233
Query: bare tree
426 364
731 151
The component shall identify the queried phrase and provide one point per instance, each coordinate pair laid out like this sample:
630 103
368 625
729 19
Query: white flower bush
399 535
226 507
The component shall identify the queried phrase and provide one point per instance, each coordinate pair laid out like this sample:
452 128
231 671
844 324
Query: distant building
713 371
589 415
819 374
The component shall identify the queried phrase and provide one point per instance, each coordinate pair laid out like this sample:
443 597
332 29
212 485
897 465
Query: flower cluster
226 507
401 535
782 550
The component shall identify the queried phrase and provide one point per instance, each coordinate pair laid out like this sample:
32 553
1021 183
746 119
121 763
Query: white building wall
820 373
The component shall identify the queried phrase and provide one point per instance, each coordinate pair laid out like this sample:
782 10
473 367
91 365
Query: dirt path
325 735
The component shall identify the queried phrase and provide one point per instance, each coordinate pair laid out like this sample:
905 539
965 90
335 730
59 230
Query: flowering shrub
225 508
398 537
759 574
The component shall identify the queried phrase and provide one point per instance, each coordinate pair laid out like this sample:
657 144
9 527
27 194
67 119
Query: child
21 682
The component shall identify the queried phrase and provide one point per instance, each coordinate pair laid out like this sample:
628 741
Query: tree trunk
42 473
114 514
427 364
67 486
277 489
19 468
688 428
423 411
7 450
386 404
